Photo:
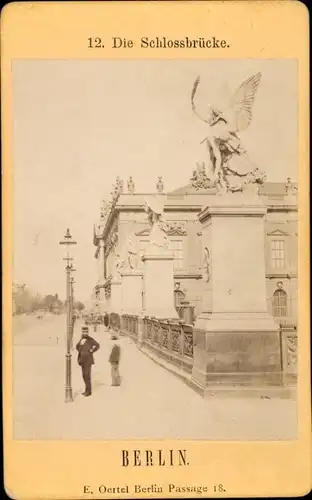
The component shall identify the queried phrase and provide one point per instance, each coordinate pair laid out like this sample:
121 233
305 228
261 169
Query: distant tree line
24 301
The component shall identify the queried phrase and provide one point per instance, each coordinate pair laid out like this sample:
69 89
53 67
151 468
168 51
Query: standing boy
114 360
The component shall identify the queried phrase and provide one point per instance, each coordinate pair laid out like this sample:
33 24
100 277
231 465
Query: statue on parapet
160 185
232 170
131 187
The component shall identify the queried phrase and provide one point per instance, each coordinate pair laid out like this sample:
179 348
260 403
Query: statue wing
206 119
239 113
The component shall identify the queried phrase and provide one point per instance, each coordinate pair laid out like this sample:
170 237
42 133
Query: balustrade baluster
169 338
182 341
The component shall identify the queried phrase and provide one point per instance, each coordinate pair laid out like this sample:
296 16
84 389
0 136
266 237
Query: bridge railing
130 325
170 340
114 321
174 341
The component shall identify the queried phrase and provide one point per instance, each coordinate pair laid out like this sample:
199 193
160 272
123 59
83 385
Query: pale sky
77 124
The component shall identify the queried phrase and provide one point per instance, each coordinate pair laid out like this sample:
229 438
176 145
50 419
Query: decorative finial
160 185
288 185
119 184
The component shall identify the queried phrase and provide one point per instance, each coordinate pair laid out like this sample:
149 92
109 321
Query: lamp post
72 310
68 384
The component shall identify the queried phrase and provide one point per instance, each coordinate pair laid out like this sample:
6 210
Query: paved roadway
150 403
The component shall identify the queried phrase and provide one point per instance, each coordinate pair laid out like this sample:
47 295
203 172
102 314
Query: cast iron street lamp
72 309
68 385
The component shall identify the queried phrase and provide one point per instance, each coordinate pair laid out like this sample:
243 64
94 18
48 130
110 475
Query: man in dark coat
106 320
86 347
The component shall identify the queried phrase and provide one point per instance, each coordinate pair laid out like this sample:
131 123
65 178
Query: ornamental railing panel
129 324
114 321
171 340
289 342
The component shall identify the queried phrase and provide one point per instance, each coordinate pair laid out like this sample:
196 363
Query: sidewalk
151 403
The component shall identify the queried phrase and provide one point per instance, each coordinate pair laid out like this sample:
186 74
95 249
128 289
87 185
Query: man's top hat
84 329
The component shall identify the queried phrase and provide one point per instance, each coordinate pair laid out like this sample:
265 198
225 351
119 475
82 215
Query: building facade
123 220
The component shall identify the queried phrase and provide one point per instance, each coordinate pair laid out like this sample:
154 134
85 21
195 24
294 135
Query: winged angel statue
232 170
155 216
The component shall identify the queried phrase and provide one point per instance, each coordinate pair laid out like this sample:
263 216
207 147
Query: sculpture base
132 288
158 288
237 350
239 322
115 301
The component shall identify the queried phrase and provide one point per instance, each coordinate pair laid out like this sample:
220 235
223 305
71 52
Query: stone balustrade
174 341
130 325
114 321
171 340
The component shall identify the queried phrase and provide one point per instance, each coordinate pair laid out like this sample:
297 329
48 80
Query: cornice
282 274
282 208
232 211
185 206
184 274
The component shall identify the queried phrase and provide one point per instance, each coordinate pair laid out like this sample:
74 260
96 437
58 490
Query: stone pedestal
236 340
115 300
132 292
102 302
158 283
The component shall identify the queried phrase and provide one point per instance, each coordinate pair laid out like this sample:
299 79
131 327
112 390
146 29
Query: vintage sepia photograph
155 207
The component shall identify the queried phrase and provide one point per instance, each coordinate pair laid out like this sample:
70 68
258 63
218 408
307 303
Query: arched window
279 303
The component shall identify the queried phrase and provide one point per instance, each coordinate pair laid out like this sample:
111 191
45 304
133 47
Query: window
278 254
279 303
176 246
